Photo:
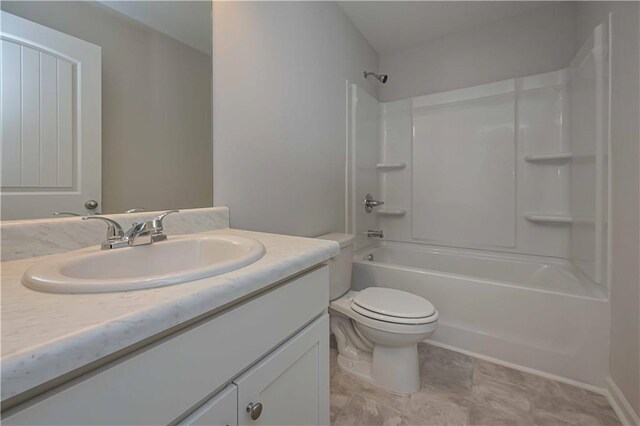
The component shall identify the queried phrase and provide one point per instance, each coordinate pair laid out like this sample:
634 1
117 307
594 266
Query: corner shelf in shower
385 167
391 212
556 156
548 218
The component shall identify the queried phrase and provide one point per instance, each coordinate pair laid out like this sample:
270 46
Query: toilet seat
393 306
345 306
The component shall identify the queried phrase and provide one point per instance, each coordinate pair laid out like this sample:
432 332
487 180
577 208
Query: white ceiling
391 25
185 21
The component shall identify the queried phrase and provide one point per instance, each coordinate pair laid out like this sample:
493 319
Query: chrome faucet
143 233
148 232
115 233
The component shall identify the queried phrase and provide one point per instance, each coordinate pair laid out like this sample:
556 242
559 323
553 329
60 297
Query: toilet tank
340 266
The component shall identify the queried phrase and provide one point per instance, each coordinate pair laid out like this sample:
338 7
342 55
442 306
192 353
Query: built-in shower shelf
556 156
391 212
385 167
548 218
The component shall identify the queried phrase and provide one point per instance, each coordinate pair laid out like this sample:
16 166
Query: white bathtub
538 313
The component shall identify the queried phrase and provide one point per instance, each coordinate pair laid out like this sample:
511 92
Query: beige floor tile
337 401
495 403
609 418
440 407
484 370
541 384
551 400
446 369
565 418
567 401
458 389
368 411
414 421
483 415
501 396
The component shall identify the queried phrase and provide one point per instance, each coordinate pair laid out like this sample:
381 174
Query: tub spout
377 234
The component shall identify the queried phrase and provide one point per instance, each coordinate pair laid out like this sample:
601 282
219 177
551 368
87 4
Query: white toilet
377 329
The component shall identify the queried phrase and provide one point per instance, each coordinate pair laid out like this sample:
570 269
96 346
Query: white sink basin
177 260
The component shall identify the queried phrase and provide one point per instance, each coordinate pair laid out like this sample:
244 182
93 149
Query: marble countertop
45 335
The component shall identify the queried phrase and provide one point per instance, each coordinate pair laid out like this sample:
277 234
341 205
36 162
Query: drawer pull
254 410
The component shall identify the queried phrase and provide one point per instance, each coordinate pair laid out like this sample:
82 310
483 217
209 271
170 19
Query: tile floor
460 390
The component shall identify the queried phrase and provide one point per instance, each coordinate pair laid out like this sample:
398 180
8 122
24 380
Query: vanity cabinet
271 350
286 388
289 384
221 410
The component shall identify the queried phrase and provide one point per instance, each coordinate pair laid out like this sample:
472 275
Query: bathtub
540 314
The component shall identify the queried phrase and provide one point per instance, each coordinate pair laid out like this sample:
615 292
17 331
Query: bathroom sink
177 260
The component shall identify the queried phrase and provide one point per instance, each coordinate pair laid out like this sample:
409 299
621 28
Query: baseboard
529 370
622 407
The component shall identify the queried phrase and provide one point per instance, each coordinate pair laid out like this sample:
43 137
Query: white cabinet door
221 410
291 385
51 123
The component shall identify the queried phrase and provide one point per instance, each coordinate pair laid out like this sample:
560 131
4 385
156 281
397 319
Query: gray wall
156 112
280 114
533 42
625 162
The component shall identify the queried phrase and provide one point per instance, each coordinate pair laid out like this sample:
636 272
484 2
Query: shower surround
496 201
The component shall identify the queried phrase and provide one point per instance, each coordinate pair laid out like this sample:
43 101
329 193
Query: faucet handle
115 233
369 203
158 226
165 214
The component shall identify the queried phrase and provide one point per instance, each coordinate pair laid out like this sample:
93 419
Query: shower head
382 78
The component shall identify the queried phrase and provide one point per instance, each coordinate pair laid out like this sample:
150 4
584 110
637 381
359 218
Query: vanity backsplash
40 237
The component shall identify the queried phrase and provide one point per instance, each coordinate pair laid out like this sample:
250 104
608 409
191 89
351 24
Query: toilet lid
393 303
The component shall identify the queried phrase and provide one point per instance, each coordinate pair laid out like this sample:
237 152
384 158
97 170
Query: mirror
107 107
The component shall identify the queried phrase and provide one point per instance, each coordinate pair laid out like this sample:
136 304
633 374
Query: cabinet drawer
160 382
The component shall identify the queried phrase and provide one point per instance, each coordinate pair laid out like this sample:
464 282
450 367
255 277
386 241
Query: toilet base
395 369
381 353
360 369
